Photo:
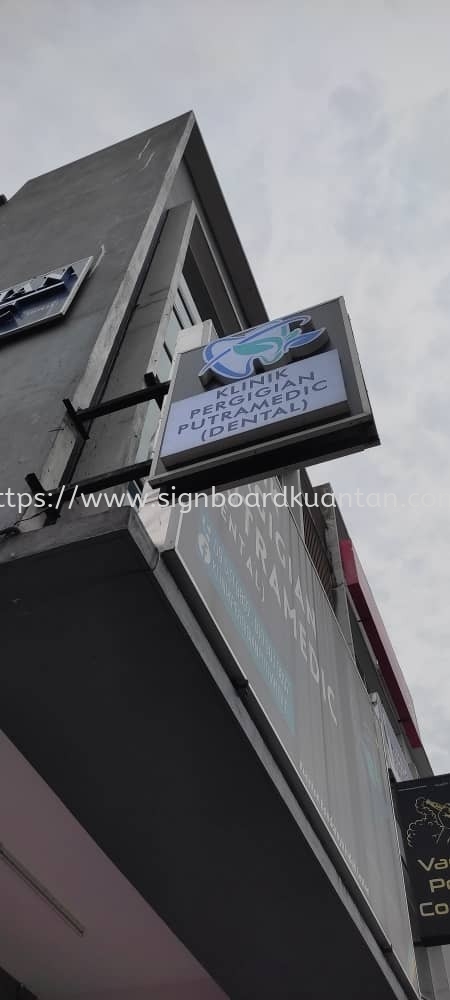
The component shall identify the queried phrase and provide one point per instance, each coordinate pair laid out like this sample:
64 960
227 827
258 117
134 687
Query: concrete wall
135 207
114 440
107 204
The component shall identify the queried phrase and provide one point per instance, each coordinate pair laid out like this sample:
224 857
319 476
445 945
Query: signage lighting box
287 393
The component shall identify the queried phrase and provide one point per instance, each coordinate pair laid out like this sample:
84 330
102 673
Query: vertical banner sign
244 564
424 808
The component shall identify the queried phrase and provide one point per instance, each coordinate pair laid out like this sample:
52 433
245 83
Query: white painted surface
126 952
246 410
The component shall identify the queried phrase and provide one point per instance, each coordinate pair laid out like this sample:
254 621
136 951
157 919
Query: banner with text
424 807
260 591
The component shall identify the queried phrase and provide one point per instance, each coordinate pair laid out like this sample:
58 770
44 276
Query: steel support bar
54 499
157 391
75 419
153 390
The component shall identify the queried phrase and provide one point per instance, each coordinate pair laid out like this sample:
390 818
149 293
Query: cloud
442 294
329 128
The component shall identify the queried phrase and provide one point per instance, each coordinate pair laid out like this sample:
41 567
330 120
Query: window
173 328
164 367
211 289
184 314
185 311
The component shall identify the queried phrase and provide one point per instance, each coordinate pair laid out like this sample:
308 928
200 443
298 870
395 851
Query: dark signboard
244 567
424 808
288 392
41 299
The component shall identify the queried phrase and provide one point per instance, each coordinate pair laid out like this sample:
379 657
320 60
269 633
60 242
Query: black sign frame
424 813
304 444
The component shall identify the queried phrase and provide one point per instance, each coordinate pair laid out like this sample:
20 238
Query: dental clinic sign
285 393
250 407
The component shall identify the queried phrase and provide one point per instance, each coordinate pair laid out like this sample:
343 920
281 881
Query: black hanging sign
424 810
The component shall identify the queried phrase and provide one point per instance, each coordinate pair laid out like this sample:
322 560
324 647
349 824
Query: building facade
203 719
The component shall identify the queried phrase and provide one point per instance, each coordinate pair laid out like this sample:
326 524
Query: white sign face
285 393
291 396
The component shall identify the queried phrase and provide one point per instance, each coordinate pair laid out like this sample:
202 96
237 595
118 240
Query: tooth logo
263 347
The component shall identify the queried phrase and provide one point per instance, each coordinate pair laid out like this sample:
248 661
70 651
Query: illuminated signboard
41 299
285 393
424 807
246 409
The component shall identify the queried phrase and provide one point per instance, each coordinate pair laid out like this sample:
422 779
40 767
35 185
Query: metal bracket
75 419
154 389
152 382
10 531
49 508
55 498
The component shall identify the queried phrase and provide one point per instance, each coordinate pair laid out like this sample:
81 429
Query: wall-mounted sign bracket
54 499
154 389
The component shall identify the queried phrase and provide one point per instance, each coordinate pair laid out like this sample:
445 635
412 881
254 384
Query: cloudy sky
329 126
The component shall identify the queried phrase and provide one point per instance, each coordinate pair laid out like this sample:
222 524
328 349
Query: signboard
424 808
245 569
41 299
248 409
285 393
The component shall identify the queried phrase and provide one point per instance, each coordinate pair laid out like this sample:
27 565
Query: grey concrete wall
98 205
114 439
112 205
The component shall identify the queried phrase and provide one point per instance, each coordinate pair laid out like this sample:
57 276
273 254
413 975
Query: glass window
164 366
149 430
213 292
188 301
173 328
182 313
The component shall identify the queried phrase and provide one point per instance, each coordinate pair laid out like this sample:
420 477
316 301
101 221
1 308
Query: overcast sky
329 127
